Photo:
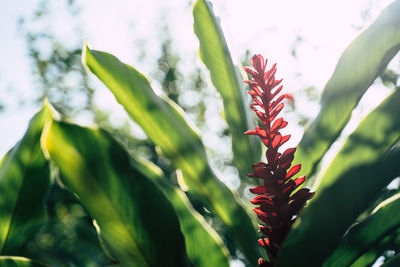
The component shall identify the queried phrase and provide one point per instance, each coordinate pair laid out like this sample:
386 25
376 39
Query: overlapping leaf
215 54
137 224
165 125
370 256
353 180
24 180
203 245
360 64
366 234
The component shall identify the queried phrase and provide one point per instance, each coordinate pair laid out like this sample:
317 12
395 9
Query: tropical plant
278 207
144 218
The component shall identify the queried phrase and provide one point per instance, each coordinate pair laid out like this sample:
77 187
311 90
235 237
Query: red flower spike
288 188
249 71
261 132
288 152
280 174
286 161
264 242
276 102
298 204
277 91
259 164
258 190
276 205
277 125
284 139
290 99
260 212
261 199
251 132
295 169
276 141
299 180
272 157
265 141
304 192
261 172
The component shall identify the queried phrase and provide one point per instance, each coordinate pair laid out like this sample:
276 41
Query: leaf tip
44 140
52 116
85 51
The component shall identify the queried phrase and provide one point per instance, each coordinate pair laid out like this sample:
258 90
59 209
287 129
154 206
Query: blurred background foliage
58 75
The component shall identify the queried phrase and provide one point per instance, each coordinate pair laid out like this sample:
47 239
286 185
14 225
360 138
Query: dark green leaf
393 261
367 233
136 222
24 181
215 54
203 245
360 64
165 125
352 181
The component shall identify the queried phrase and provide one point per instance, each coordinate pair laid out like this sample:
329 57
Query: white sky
263 26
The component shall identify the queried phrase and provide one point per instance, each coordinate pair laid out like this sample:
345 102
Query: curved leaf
350 184
24 181
393 261
165 125
215 54
13 261
360 64
366 234
367 259
4 158
137 224
203 245
370 256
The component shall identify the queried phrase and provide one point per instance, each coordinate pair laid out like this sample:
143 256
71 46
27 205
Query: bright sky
267 27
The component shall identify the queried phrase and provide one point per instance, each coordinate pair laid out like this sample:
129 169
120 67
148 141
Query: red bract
277 206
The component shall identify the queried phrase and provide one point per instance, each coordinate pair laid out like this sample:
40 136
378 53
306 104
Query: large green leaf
360 64
215 54
203 245
366 234
350 184
13 261
136 222
24 181
165 125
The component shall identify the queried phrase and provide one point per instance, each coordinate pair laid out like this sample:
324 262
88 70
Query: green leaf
203 245
24 181
367 259
352 181
13 261
390 242
136 222
364 235
215 54
4 158
393 261
360 64
164 123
